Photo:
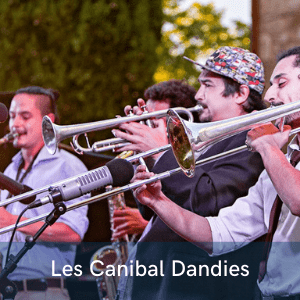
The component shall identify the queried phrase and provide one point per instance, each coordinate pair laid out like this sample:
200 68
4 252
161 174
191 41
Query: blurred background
102 55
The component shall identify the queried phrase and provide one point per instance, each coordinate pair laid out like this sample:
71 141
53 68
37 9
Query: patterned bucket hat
238 64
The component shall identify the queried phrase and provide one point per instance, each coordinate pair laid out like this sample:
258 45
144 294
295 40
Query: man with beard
232 81
272 204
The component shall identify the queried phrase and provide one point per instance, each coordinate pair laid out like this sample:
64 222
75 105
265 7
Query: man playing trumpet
35 167
161 96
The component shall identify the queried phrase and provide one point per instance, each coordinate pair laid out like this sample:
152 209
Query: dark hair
46 107
177 92
290 52
254 101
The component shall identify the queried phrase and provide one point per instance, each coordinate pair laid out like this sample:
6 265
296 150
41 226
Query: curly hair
179 93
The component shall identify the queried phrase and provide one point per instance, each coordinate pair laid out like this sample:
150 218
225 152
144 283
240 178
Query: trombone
53 134
133 185
186 138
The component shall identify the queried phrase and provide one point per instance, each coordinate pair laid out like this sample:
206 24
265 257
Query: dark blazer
215 185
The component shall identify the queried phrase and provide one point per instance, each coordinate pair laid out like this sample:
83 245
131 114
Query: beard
293 119
205 115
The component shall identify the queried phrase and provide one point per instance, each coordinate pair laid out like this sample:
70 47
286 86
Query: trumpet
53 134
186 138
131 186
8 137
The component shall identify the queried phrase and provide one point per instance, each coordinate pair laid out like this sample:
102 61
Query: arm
235 226
190 226
267 140
128 221
58 232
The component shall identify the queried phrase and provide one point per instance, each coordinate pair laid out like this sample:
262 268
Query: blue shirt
45 170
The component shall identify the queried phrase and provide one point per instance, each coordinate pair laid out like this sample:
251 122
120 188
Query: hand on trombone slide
147 194
262 137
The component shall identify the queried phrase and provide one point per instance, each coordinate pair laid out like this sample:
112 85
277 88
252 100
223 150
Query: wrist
159 202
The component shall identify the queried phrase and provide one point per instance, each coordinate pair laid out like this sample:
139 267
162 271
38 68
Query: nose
270 94
15 122
199 95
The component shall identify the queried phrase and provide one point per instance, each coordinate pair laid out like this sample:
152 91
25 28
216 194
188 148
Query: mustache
273 104
202 104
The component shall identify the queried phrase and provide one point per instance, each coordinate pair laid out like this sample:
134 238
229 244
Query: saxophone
114 254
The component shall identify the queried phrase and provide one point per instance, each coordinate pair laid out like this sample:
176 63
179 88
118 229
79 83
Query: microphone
15 188
117 172
3 113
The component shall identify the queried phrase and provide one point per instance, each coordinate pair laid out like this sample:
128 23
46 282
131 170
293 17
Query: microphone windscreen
121 171
3 113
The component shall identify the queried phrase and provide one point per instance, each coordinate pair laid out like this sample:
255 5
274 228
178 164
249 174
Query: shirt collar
44 155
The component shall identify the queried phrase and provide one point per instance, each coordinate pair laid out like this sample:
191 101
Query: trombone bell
179 138
187 138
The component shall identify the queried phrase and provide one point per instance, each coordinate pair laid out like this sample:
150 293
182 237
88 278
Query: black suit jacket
215 185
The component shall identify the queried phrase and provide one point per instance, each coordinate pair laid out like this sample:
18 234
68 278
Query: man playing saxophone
35 167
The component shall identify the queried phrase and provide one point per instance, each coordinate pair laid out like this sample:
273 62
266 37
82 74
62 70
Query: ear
51 116
243 94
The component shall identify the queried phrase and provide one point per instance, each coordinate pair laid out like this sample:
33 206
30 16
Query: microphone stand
7 288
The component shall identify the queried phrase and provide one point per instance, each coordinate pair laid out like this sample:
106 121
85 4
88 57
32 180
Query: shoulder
62 163
71 161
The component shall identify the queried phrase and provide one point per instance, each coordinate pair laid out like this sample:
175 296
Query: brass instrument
188 138
127 187
8 137
206 134
53 134
114 254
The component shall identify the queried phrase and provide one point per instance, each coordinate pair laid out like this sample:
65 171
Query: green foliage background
102 54
99 54
195 32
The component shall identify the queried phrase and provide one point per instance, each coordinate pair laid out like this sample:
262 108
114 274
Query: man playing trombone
272 204
35 167
232 81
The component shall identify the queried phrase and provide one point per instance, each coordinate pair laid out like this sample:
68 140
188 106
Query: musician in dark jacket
232 81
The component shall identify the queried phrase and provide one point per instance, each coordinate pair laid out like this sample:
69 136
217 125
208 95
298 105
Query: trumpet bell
49 135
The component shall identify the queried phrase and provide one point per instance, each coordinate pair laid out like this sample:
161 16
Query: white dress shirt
248 219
